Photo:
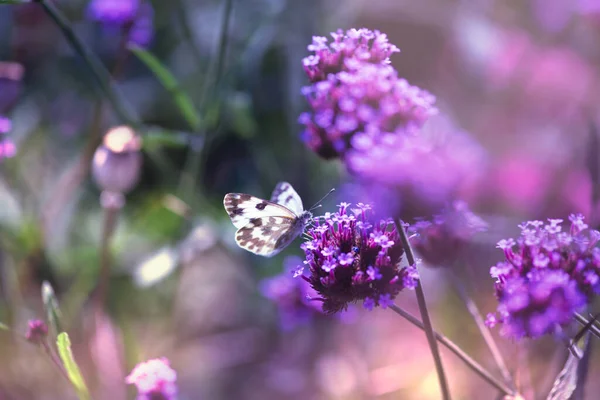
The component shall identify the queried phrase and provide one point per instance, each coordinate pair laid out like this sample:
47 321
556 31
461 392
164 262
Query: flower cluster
351 257
154 379
548 275
7 146
294 297
355 91
441 242
37 331
346 52
133 16
429 167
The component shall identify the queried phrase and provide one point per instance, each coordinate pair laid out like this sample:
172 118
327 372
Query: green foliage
170 83
51 305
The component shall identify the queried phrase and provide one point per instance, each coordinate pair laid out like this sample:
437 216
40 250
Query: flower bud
36 331
117 161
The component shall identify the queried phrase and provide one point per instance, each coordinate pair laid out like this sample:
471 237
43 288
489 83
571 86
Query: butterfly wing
244 207
267 236
285 195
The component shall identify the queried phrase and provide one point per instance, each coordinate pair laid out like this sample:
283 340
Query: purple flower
374 275
354 109
7 146
346 52
37 331
131 15
294 297
441 242
154 379
427 169
548 275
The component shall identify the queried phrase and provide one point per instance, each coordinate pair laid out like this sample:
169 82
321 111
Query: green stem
110 219
427 326
223 40
471 363
483 329
95 66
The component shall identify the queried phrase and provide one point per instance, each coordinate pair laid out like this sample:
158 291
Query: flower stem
94 65
54 359
584 321
471 363
110 219
427 326
485 332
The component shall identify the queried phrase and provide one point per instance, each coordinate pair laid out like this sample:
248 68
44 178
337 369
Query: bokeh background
522 77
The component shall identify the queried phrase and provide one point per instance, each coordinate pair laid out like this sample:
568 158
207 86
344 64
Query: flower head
37 331
549 274
294 297
133 15
441 242
428 168
352 257
7 146
154 379
346 52
353 109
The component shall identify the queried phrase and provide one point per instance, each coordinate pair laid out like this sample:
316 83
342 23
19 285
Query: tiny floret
37 331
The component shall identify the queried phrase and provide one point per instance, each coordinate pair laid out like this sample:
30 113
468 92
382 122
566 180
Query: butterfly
267 227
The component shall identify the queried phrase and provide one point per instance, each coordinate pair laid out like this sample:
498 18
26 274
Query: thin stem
110 219
471 363
54 359
223 40
94 65
428 327
584 321
483 329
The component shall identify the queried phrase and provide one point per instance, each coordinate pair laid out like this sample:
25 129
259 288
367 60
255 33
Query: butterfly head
306 217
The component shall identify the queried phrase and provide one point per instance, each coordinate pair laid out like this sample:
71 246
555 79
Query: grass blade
66 355
170 83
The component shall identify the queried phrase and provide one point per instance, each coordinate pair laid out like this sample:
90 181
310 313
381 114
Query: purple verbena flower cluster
351 257
346 52
548 275
7 146
355 91
154 380
293 297
135 16
442 241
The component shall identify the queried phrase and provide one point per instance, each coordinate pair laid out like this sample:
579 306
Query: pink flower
154 379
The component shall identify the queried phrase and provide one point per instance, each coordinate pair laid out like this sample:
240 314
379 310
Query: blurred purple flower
37 331
441 242
7 146
135 16
346 52
547 276
353 109
374 275
428 169
154 379
292 296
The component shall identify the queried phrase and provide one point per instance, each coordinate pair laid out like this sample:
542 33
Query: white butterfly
267 227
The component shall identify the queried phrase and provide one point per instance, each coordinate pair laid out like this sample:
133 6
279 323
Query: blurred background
521 77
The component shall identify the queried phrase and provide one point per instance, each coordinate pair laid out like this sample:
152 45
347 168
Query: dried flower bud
117 162
37 331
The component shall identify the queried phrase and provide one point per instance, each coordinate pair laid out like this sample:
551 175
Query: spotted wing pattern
244 207
267 236
285 195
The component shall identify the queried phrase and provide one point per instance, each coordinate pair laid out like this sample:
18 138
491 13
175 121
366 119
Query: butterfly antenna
318 203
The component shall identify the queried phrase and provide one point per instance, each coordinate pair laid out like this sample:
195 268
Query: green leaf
14 1
66 355
157 138
51 305
170 83
4 327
